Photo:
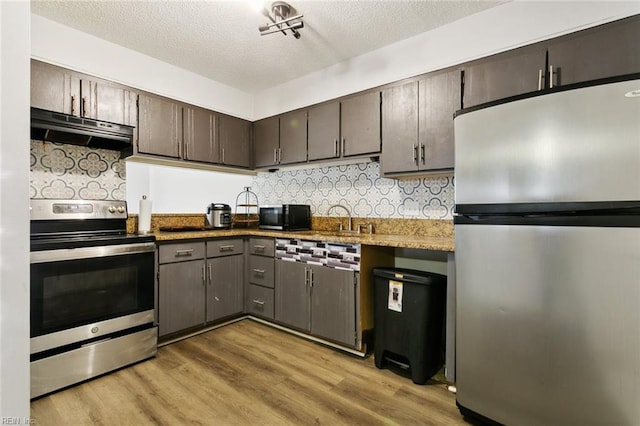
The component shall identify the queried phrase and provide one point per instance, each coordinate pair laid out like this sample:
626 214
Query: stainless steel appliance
219 215
285 217
92 292
63 128
548 258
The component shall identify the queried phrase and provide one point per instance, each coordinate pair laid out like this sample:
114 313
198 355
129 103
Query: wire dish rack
247 213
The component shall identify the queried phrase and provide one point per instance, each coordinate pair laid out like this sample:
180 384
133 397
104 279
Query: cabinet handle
84 107
204 275
258 248
178 146
306 276
210 274
335 147
259 271
258 302
540 79
415 154
186 151
310 277
222 155
73 105
550 76
422 153
182 253
279 155
344 142
275 155
227 248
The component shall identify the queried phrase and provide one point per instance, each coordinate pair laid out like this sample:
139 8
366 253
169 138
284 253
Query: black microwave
286 217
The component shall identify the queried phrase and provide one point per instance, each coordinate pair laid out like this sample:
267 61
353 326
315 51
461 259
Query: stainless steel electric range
92 292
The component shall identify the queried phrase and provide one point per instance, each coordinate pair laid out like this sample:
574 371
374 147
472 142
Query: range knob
112 209
121 209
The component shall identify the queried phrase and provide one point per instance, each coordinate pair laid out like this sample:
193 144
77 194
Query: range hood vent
62 128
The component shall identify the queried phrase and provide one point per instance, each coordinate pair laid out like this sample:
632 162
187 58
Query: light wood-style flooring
247 373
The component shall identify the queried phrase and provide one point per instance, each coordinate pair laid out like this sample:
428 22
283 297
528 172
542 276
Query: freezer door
548 324
571 146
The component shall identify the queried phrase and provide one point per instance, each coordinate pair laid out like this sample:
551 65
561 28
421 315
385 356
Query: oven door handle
90 252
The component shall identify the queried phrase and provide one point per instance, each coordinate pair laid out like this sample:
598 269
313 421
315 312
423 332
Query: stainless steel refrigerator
547 237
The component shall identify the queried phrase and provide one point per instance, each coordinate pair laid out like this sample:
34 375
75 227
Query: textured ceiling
220 39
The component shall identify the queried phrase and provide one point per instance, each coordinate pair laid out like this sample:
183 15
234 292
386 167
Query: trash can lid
410 275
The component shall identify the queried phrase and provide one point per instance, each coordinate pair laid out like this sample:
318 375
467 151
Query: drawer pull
182 253
227 248
259 248
258 302
259 271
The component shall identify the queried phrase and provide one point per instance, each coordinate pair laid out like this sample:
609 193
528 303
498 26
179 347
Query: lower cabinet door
333 313
292 294
224 287
182 290
260 301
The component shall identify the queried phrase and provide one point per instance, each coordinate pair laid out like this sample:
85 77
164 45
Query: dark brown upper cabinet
200 135
293 138
61 90
324 131
360 124
604 51
417 124
266 141
159 126
235 141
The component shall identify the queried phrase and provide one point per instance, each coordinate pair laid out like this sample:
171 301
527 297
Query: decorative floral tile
359 187
76 173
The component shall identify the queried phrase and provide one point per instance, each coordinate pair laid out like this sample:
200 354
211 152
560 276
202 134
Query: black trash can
409 309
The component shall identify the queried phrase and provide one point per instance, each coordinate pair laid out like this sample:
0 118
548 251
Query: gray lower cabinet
293 304
260 301
333 304
260 277
225 277
317 299
224 287
181 287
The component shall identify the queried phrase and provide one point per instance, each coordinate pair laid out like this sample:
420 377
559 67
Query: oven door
87 293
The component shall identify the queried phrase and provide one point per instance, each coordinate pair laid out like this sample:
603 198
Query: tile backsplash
361 188
75 173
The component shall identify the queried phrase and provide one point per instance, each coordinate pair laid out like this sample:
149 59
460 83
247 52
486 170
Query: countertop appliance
285 217
92 295
547 237
219 216
63 128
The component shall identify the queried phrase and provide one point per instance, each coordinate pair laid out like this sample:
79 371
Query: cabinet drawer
261 270
225 247
262 246
260 301
168 253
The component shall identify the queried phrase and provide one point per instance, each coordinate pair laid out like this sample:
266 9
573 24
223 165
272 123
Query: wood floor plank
247 373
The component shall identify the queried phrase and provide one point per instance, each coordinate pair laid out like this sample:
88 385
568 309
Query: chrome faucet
346 210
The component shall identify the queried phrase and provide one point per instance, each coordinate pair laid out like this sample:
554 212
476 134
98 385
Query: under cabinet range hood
63 128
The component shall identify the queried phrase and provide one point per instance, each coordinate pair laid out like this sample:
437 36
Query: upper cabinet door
160 126
54 89
439 96
400 149
605 51
200 135
106 102
360 125
324 131
505 74
293 138
235 141
266 141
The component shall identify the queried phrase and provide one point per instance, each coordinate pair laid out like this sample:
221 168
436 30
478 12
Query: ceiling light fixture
280 20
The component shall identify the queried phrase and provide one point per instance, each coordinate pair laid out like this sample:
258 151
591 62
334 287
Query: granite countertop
386 240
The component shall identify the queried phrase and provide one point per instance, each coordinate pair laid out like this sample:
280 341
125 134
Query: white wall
14 211
178 190
494 30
